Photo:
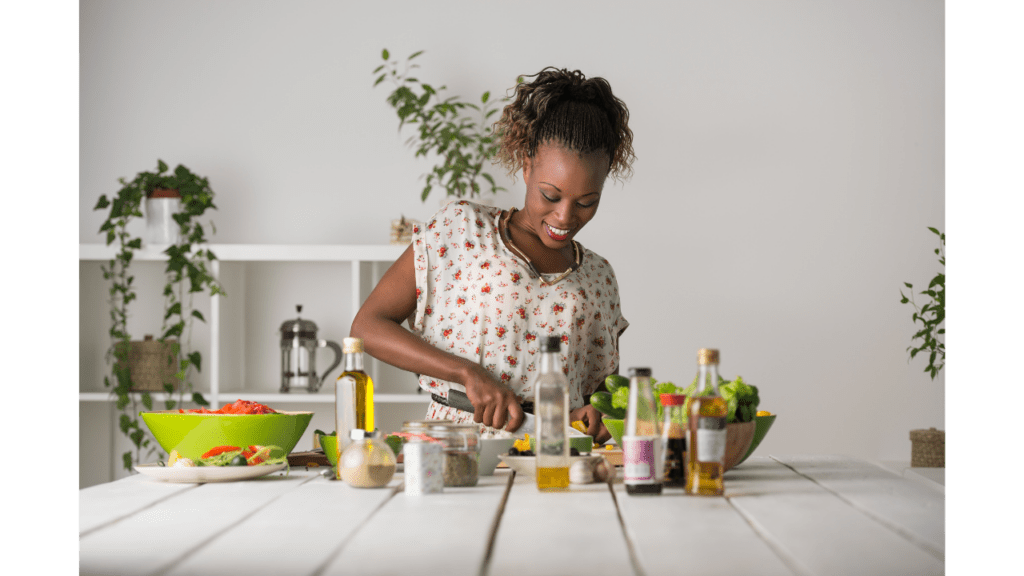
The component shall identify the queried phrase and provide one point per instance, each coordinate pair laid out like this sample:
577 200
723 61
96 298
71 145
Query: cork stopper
707 356
352 345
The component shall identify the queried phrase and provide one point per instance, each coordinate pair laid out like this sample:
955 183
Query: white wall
790 159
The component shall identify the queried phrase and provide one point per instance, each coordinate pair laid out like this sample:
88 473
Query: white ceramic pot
160 225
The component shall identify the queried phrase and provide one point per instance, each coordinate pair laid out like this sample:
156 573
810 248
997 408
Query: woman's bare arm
379 324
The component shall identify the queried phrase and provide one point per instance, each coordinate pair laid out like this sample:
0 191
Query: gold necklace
506 233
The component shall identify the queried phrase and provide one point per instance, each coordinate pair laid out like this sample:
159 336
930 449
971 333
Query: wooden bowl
738 437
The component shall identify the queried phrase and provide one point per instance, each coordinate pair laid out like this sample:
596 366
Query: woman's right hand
494 404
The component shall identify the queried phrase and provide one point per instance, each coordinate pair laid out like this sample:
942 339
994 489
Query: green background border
985 89
39 139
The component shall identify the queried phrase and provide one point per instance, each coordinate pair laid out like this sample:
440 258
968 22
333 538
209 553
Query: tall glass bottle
673 440
705 435
641 454
551 405
353 369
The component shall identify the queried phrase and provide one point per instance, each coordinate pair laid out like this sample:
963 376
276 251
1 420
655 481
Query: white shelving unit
356 255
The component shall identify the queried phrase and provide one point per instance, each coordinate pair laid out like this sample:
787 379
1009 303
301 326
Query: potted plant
462 141
187 273
928 446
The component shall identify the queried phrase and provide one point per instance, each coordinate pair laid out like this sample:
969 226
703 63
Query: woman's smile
557 234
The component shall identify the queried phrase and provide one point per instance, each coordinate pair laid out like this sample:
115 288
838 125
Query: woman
482 286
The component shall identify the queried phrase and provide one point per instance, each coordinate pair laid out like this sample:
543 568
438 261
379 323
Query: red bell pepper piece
219 450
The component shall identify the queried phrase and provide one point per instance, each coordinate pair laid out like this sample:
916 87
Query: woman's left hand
592 418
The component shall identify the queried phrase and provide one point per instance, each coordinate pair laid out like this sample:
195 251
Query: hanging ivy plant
187 273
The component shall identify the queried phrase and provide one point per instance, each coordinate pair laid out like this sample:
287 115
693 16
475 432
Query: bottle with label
551 407
641 445
706 435
673 440
353 372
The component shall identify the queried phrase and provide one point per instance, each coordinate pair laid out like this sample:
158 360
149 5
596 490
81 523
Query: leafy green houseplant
445 127
187 273
930 315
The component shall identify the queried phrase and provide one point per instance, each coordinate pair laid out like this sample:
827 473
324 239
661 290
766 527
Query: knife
458 399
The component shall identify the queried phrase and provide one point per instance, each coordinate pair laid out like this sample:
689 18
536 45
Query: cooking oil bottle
552 412
353 370
706 433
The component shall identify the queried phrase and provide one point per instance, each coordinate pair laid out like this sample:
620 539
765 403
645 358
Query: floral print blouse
478 300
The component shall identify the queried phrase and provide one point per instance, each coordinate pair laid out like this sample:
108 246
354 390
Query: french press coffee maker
298 354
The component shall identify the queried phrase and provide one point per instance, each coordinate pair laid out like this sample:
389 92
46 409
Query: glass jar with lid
461 444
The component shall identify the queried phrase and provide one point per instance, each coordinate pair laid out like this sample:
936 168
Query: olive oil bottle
552 412
706 432
353 369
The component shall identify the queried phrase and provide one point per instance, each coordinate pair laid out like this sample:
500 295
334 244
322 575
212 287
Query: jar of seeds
461 443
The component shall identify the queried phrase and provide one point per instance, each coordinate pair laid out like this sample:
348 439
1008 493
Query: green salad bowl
192 435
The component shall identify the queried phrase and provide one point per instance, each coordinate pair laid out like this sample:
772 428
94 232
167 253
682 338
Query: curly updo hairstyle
568 109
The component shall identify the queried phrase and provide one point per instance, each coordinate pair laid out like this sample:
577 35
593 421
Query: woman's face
563 189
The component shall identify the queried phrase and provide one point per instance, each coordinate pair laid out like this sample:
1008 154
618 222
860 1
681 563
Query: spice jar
461 443
368 462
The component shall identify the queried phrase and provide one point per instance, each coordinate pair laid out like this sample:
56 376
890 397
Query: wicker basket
928 448
152 364
401 230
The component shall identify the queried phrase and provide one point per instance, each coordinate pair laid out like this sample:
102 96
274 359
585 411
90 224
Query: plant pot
928 448
152 364
161 206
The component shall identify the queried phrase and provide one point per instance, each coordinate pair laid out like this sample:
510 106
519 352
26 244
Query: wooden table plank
675 533
815 532
105 503
296 534
545 533
153 539
904 505
446 533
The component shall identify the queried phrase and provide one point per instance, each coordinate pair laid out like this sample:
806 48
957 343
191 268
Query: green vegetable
603 402
395 442
614 381
238 461
620 398
742 398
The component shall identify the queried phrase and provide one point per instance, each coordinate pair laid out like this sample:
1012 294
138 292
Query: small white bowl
490 449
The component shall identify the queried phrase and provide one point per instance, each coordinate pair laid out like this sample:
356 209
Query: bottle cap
707 356
352 345
673 399
551 344
640 372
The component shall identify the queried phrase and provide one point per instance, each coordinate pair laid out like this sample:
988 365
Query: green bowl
192 435
330 446
615 428
762 424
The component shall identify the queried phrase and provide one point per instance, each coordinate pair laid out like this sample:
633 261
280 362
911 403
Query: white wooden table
798 515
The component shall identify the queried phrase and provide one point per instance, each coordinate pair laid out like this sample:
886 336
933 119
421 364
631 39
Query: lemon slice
579 425
763 413
173 457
